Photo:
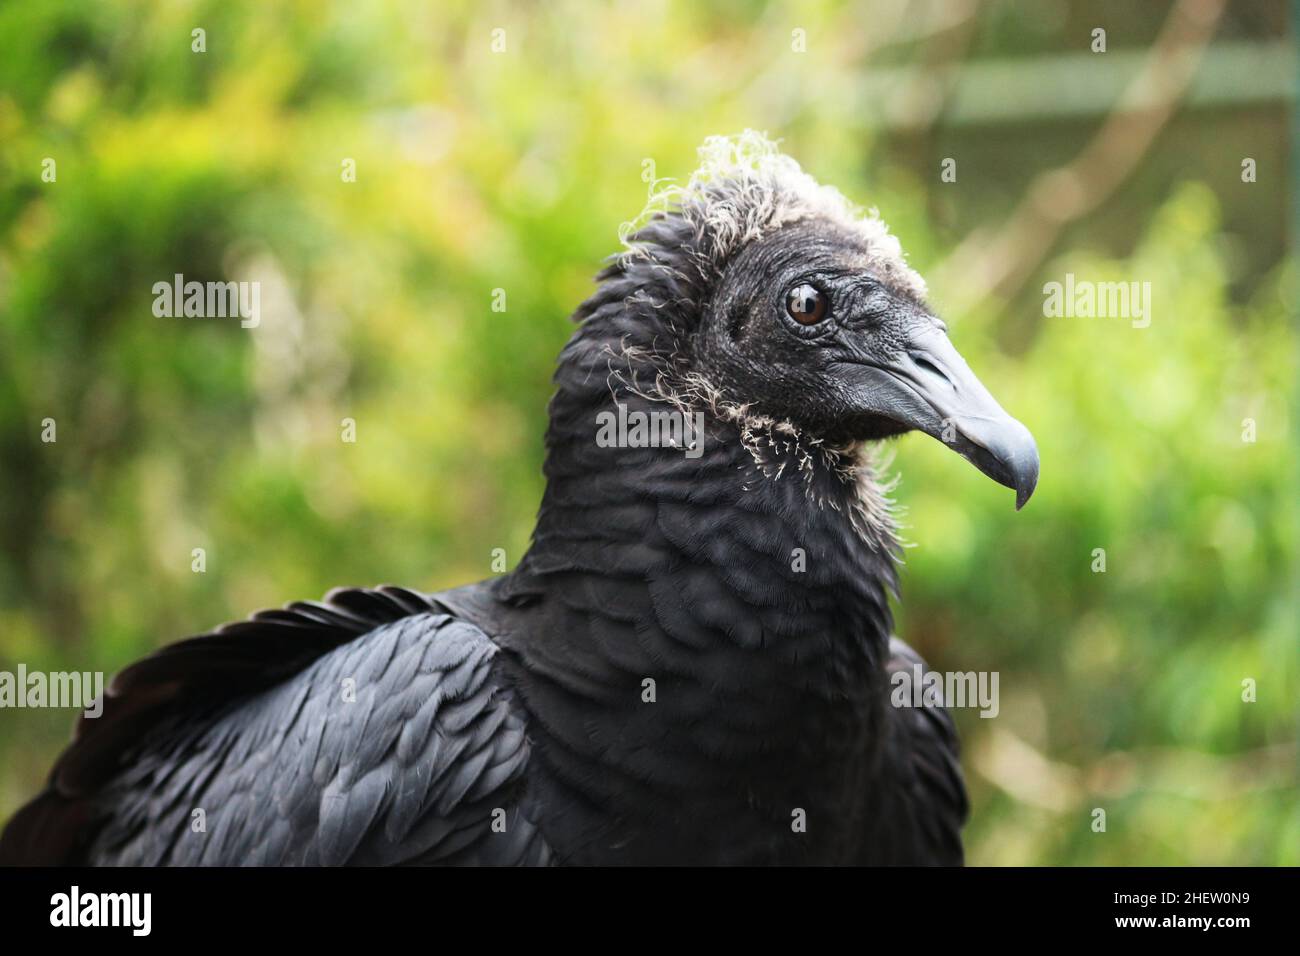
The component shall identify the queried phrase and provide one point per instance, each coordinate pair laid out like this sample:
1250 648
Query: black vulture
691 663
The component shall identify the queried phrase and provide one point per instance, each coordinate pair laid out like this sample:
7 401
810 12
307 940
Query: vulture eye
806 304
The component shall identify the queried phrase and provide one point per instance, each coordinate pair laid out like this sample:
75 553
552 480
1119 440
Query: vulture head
785 301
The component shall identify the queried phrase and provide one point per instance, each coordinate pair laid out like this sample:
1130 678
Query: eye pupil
806 304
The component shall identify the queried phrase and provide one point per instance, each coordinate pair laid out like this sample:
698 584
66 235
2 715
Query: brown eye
806 305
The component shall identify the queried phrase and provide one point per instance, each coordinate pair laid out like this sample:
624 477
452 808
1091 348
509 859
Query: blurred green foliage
480 171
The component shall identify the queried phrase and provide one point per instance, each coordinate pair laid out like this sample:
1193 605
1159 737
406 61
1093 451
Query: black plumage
748 578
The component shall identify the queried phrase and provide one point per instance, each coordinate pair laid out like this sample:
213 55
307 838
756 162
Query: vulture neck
717 616
764 542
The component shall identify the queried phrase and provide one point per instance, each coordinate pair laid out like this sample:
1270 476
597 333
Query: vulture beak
928 386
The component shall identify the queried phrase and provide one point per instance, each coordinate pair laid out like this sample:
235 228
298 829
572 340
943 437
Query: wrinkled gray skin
878 365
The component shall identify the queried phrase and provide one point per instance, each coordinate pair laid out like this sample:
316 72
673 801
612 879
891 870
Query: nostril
929 366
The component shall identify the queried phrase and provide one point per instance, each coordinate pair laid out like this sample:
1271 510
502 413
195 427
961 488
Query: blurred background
481 169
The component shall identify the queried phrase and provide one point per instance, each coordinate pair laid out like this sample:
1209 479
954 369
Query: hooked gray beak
929 387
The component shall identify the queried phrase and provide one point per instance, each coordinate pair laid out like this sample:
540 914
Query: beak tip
1026 482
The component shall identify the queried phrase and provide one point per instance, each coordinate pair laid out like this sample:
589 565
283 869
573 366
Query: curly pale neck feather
776 447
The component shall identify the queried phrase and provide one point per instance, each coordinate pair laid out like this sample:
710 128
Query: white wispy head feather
745 187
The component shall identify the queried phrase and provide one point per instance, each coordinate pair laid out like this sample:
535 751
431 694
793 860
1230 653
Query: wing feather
251 730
